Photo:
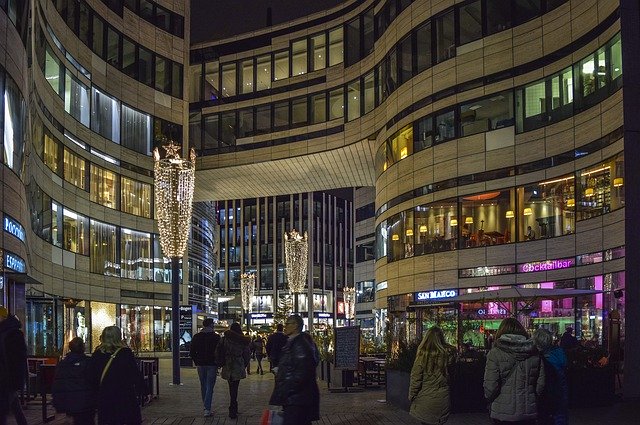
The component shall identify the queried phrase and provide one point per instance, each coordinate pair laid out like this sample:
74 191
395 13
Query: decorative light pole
247 289
349 295
296 254
174 179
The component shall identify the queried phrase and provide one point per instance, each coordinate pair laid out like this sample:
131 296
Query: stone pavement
182 406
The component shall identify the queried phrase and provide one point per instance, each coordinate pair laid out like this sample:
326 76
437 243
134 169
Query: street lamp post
296 254
247 289
349 295
174 179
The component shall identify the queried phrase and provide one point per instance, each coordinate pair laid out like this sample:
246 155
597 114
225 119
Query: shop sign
324 315
541 266
497 311
15 263
261 315
436 295
380 286
13 227
487 271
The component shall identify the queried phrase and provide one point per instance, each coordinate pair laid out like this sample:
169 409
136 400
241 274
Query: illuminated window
135 255
135 197
74 169
75 232
103 249
51 155
103 186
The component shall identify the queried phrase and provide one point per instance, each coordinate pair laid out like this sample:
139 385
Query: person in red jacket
203 353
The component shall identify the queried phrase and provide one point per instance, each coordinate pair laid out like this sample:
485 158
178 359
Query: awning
515 293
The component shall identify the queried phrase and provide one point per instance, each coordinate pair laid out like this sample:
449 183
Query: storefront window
161 264
51 155
136 130
487 114
76 232
146 328
547 209
102 315
336 53
103 249
487 219
135 197
103 186
600 188
76 99
299 57
74 169
135 255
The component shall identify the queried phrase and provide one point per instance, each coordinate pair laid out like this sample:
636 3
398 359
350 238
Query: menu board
346 347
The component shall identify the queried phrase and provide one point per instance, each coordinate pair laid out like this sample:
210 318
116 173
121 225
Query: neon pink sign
542 266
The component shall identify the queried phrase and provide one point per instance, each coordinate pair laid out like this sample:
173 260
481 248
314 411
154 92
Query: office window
74 169
318 105
135 255
353 41
390 72
616 59
105 116
368 30
135 197
145 66
103 249
263 119
445 40
195 130
163 74
129 66
423 47
406 59
162 18
53 71
423 134
245 122
84 24
211 135
353 100
369 92
498 15
75 232
245 76
336 104
470 25
195 83
280 115
136 130
228 79
319 51
524 10
228 128
401 144
211 81
113 47
487 114
561 95
146 10
176 80
263 72
281 65
14 125
336 46
535 99
51 153
103 186
445 126
299 57
98 36
76 99
299 111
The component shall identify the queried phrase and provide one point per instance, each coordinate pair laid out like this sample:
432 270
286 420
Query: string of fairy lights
247 290
296 253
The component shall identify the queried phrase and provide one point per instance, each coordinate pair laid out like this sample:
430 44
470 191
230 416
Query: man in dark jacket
203 353
13 366
275 342
72 393
296 389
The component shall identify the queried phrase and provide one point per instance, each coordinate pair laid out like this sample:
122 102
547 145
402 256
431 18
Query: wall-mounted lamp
395 237
409 232
509 214
618 181
468 220
423 228
527 211
454 222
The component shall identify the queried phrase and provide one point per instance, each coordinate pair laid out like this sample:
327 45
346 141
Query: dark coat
72 393
513 379
203 347
118 395
234 349
13 360
275 342
296 378
555 399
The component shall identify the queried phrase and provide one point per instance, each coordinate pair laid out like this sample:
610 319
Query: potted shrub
399 366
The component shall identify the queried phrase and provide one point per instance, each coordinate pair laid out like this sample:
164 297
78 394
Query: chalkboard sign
346 347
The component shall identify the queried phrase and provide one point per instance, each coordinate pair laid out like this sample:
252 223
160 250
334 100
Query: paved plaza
182 405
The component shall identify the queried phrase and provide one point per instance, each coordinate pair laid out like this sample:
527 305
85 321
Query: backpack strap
106 368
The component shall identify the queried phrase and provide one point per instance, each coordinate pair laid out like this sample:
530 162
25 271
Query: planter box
398 389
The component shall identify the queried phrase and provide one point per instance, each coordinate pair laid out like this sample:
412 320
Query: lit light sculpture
174 179
296 254
247 289
349 295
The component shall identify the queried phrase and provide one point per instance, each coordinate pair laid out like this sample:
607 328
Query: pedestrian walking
429 382
13 367
203 352
259 349
115 376
514 376
553 406
72 393
274 345
296 389
233 355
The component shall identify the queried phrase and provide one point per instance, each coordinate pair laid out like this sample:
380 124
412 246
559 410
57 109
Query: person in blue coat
554 403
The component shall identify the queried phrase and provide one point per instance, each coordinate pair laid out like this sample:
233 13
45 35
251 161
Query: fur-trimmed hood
518 346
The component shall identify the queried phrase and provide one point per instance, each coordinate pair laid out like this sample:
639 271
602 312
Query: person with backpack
233 355
514 376
203 353
430 379
13 366
71 391
258 348
554 403
115 377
